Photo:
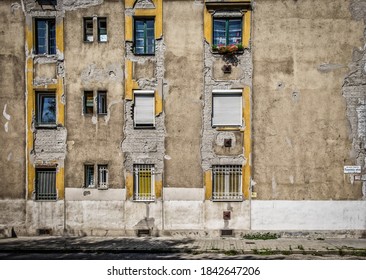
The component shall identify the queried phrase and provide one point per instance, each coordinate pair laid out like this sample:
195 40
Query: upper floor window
102 30
227 108
88 102
144 108
144 36
88 30
46 109
102 176
45 36
102 102
227 31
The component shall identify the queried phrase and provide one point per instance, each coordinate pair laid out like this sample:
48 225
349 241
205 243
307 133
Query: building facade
182 117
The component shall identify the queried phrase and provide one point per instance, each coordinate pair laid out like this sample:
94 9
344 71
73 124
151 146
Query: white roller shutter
227 109
144 111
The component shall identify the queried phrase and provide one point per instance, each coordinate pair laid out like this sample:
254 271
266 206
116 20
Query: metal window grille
144 182
102 29
89 176
45 36
46 184
227 182
102 102
102 176
88 30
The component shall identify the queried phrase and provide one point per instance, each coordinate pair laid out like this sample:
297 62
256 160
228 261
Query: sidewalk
285 246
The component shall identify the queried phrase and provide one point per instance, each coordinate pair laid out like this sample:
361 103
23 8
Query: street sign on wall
352 169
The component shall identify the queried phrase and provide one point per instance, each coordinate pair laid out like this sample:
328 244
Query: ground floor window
46 184
227 182
144 180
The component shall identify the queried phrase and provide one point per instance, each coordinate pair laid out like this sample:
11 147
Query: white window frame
136 120
102 178
216 120
86 174
138 196
221 188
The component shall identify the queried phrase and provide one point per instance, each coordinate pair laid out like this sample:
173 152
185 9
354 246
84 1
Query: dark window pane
102 103
89 102
144 36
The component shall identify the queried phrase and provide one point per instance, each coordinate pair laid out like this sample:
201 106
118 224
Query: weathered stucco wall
301 132
183 30
308 215
94 66
12 101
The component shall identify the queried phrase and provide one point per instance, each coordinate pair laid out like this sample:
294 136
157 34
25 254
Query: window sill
46 126
228 53
144 54
228 128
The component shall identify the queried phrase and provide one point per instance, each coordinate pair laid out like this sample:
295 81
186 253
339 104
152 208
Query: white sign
351 169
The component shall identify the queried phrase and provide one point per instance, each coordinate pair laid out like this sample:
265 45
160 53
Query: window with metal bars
144 36
45 36
46 184
88 102
102 176
227 31
227 183
144 181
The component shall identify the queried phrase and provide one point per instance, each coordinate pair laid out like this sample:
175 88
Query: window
89 176
46 109
102 176
102 102
46 184
227 108
144 181
88 30
102 29
227 31
144 36
88 102
227 182
144 109
45 36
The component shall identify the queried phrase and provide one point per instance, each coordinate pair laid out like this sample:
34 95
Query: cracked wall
94 138
213 150
144 146
183 26
12 106
301 135
354 91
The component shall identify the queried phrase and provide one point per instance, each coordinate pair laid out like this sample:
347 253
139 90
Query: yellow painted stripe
208 184
207 26
246 28
158 188
129 185
247 143
158 103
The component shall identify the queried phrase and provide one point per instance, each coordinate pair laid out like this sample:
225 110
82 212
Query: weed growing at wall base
260 236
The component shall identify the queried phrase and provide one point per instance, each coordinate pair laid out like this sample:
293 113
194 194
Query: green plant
260 236
231 253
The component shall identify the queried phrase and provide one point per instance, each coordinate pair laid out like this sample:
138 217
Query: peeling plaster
6 115
210 134
354 91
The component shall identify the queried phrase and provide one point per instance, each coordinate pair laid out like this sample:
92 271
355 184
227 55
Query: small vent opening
143 232
44 231
226 233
